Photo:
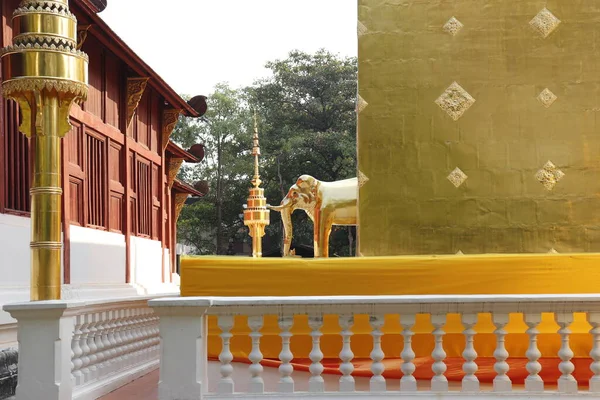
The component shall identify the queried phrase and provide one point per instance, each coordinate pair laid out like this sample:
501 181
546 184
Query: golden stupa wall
477 126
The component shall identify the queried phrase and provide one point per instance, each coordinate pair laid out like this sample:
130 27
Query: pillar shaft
46 193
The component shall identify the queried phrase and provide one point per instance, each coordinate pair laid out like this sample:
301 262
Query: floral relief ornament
455 101
457 177
549 175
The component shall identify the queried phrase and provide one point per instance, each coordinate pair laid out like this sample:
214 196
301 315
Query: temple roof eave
182 187
178 152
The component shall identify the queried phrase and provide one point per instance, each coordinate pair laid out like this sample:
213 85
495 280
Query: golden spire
255 152
256 213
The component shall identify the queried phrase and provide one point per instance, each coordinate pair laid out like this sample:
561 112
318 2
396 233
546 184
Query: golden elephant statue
326 203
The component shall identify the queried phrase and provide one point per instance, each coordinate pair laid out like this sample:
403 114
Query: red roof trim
181 187
181 153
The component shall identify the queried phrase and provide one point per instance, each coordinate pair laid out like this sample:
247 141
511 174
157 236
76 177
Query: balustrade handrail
76 307
426 304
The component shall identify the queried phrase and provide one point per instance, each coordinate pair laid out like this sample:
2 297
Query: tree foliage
307 125
210 222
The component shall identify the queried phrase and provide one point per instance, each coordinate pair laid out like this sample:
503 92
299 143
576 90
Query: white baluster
439 382
105 342
120 338
594 321
257 385
346 355
144 349
286 382
226 384
93 331
534 382
470 383
377 383
136 332
408 383
316 383
502 382
567 382
112 348
100 328
85 349
77 352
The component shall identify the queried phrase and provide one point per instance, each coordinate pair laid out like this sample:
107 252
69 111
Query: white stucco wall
97 257
146 262
14 247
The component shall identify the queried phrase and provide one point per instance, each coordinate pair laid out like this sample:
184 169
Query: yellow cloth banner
405 275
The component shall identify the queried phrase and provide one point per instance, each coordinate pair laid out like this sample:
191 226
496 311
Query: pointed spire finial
255 152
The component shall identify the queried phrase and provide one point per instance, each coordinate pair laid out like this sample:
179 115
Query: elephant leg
322 231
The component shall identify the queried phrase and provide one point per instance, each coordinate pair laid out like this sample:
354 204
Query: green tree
308 126
226 135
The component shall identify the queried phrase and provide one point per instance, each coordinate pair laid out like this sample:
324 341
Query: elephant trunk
286 209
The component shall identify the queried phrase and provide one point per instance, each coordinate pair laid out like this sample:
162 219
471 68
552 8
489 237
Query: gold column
256 214
45 73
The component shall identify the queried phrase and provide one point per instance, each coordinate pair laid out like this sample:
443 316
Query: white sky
194 44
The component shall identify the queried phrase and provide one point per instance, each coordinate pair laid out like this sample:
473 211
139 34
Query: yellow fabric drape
483 274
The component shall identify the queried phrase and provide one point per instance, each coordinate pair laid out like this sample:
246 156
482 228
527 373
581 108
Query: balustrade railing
83 349
184 361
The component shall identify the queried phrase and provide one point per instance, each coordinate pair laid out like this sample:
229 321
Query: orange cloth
482 274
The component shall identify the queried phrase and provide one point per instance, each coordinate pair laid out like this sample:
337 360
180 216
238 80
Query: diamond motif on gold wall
460 253
455 101
452 26
457 177
547 97
552 251
362 29
361 104
544 23
362 179
549 175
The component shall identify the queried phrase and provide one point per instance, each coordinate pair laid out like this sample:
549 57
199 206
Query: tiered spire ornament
45 73
256 213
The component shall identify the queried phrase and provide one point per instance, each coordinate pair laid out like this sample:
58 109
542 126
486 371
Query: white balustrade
502 382
594 321
566 383
439 383
534 382
83 349
316 383
346 355
226 384
408 383
470 383
257 384
286 382
377 383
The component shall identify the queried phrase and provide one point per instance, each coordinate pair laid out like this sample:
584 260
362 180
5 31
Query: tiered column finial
256 213
45 73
